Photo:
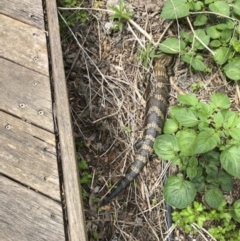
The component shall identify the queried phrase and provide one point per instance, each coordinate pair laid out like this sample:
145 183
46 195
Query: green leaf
235 133
226 181
212 170
231 119
235 44
174 9
203 37
191 172
220 7
226 35
230 160
186 117
215 43
220 100
204 111
178 192
221 55
170 126
213 32
186 140
188 99
166 146
213 197
206 141
172 46
235 211
195 62
201 19
218 120
198 182
232 69
236 7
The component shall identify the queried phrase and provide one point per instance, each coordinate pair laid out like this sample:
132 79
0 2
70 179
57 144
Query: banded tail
156 107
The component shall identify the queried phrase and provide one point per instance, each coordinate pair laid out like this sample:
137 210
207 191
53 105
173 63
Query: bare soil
106 83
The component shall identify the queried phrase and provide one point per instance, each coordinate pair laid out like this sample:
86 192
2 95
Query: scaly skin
156 107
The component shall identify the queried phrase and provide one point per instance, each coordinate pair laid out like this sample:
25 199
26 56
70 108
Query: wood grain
23 44
28 155
28 11
76 220
27 94
27 215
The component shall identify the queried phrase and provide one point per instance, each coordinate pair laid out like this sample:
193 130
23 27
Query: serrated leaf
166 146
191 172
206 141
172 46
232 69
186 140
213 197
188 99
213 32
203 37
196 63
226 181
178 192
174 9
230 160
170 126
220 7
212 170
218 120
220 100
235 211
231 119
221 55
186 117
226 35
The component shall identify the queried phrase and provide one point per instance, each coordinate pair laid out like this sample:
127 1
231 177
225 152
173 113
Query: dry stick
195 35
199 229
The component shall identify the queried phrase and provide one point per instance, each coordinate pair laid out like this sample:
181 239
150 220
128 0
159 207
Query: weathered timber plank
23 44
75 213
28 11
26 94
27 215
28 155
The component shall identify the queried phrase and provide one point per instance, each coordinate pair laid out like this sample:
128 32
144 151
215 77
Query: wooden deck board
28 11
26 94
30 201
28 155
23 44
28 216
75 211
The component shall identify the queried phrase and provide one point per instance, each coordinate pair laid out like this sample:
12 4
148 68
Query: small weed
146 54
197 213
197 86
154 201
127 129
120 15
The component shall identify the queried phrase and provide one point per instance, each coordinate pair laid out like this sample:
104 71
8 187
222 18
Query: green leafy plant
214 25
120 15
86 177
203 141
223 224
146 54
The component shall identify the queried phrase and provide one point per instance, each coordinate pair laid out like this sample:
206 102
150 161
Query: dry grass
106 90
